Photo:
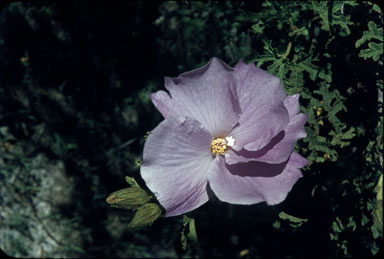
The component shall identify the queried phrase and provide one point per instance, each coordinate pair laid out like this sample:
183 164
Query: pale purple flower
229 130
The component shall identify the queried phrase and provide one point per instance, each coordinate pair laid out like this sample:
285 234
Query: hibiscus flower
226 131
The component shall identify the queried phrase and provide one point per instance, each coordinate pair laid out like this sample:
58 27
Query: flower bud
145 215
128 198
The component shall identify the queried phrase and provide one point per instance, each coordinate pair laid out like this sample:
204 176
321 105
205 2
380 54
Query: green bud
145 215
128 198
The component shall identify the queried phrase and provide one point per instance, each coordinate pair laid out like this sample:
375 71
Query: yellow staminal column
220 145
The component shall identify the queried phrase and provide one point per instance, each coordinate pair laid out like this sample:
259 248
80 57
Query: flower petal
282 150
256 131
264 115
176 160
292 105
164 104
254 182
207 95
281 146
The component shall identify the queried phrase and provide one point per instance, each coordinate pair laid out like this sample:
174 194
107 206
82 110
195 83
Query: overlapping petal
264 115
176 162
254 182
281 146
206 94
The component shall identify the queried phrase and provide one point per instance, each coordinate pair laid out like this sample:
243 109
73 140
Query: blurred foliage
74 85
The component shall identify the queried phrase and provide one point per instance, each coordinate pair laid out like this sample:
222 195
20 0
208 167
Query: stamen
220 145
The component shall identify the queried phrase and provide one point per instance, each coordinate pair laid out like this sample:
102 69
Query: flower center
220 145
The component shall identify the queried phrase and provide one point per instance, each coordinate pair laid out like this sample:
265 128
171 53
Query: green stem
288 50
193 237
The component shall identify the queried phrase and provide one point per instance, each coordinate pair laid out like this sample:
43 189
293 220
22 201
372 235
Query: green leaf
183 241
189 233
322 9
276 224
375 232
374 51
276 68
331 14
372 33
310 68
293 221
260 60
326 73
352 223
258 27
377 8
296 78
364 220
374 249
378 211
349 134
335 227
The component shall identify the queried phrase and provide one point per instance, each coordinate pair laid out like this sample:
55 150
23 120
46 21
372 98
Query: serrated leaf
349 134
258 27
322 9
339 18
274 68
309 67
372 33
333 14
374 51
296 78
260 60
